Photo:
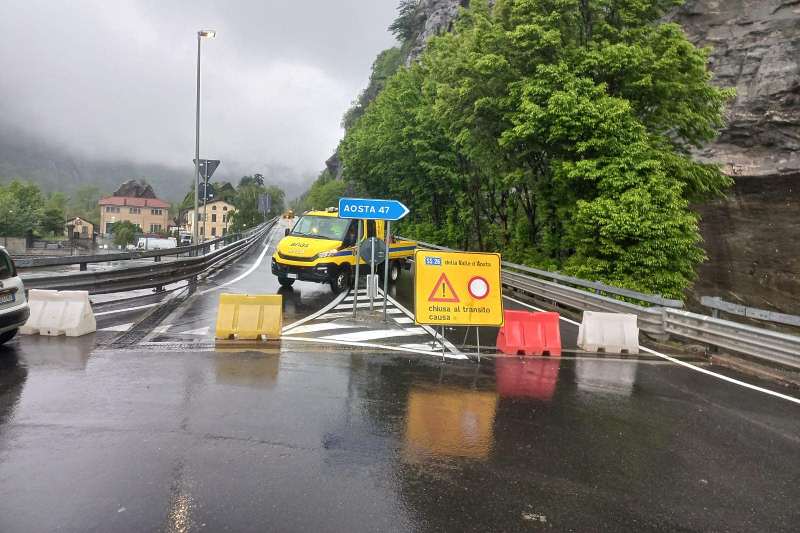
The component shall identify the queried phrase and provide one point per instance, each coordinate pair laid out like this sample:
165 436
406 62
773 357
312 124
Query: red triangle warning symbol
443 291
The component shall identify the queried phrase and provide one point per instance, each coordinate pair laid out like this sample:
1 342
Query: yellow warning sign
458 289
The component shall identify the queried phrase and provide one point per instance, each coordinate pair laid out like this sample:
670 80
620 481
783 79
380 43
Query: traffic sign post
369 209
372 209
209 166
458 289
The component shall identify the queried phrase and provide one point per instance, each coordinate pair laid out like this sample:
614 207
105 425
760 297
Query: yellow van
321 248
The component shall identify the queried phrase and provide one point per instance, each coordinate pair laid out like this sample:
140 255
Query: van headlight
329 253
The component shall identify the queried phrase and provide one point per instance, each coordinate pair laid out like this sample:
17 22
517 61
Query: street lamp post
195 230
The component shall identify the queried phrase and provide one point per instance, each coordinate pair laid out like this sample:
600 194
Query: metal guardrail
764 344
718 304
598 287
83 260
660 321
156 275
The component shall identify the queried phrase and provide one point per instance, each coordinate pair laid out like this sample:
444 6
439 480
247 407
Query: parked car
14 310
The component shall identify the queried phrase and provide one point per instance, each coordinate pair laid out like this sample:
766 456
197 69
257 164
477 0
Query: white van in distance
156 243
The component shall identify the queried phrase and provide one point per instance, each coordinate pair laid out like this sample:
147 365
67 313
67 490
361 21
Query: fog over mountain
97 91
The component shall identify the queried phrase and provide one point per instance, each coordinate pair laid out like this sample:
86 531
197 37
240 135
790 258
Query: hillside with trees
558 136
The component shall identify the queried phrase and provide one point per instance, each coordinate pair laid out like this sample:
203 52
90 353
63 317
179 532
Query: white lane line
336 301
324 326
360 305
161 329
375 334
249 271
376 346
120 328
403 320
449 345
127 309
691 366
722 377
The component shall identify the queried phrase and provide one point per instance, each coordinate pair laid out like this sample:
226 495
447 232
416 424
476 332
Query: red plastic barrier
527 378
527 333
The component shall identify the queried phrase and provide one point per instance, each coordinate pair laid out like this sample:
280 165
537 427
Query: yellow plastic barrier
246 317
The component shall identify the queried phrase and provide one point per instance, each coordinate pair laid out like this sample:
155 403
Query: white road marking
247 273
318 314
403 320
127 309
361 305
120 328
161 329
449 345
375 334
323 326
690 366
448 355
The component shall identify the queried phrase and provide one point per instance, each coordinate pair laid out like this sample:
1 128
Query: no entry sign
458 289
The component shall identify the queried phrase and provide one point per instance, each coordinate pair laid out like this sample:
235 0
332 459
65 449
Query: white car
14 310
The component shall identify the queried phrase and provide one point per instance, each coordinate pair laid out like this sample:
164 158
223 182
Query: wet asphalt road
176 438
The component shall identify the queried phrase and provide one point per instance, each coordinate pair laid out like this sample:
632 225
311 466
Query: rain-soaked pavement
189 437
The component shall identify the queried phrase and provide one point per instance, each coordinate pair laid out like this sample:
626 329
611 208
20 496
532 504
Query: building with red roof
151 215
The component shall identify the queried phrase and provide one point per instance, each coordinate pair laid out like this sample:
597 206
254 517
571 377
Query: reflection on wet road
247 440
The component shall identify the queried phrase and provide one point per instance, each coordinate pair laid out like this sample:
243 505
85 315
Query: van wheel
394 272
7 336
341 281
286 282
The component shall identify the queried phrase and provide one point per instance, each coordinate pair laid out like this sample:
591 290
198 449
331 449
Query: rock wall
752 238
439 16
756 50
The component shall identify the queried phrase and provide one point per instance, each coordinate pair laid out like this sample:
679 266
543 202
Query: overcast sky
116 78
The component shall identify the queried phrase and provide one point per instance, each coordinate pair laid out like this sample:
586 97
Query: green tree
557 131
22 203
125 233
409 21
84 203
385 66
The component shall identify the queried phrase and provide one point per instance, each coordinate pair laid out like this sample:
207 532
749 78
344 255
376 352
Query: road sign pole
386 272
372 286
358 267
478 336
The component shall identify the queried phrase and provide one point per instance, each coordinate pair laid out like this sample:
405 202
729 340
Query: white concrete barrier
55 313
609 333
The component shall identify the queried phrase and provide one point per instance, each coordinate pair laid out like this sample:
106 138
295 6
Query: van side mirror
286 232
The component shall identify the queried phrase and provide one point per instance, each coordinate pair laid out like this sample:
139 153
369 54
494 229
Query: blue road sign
365 209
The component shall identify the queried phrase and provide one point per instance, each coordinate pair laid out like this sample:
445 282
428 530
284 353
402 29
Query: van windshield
331 228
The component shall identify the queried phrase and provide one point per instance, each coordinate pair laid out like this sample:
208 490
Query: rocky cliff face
756 50
439 16
135 189
752 237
